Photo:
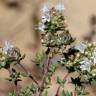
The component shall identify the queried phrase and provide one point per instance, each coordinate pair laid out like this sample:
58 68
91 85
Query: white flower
45 8
94 43
60 7
85 65
7 47
62 58
94 56
81 47
41 27
45 18
2 59
93 74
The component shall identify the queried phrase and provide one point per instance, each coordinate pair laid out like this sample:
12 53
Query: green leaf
66 93
61 82
12 93
45 93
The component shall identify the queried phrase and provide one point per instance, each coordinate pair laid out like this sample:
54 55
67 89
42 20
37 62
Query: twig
29 75
75 93
23 67
45 76
9 70
58 89
15 83
16 88
32 78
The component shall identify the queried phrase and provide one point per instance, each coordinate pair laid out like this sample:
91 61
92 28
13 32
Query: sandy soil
16 25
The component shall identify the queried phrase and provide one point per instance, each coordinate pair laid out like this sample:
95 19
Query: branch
15 83
45 76
9 70
75 93
58 89
16 88
30 76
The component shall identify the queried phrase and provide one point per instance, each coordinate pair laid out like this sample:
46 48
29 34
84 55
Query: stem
9 70
15 83
75 93
45 76
23 68
58 89
30 76
57 92
16 86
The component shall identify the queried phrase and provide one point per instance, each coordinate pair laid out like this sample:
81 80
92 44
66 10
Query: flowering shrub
83 61
55 38
54 32
56 41
9 55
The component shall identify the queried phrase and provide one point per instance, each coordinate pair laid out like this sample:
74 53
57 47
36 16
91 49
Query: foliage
56 35
66 93
83 61
14 76
61 82
9 55
39 58
55 40
27 91
12 94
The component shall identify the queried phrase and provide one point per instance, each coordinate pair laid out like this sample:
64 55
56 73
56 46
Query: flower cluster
83 61
53 27
59 7
55 38
9 55
47 15
56 42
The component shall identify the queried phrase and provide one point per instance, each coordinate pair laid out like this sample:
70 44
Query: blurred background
16 24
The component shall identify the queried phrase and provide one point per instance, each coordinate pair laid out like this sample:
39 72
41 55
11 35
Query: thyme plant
83 61
56 41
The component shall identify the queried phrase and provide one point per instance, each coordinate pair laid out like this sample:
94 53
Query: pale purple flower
45 18
81 47
94 56
45 8
41 27
60 7
7 47
85 65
